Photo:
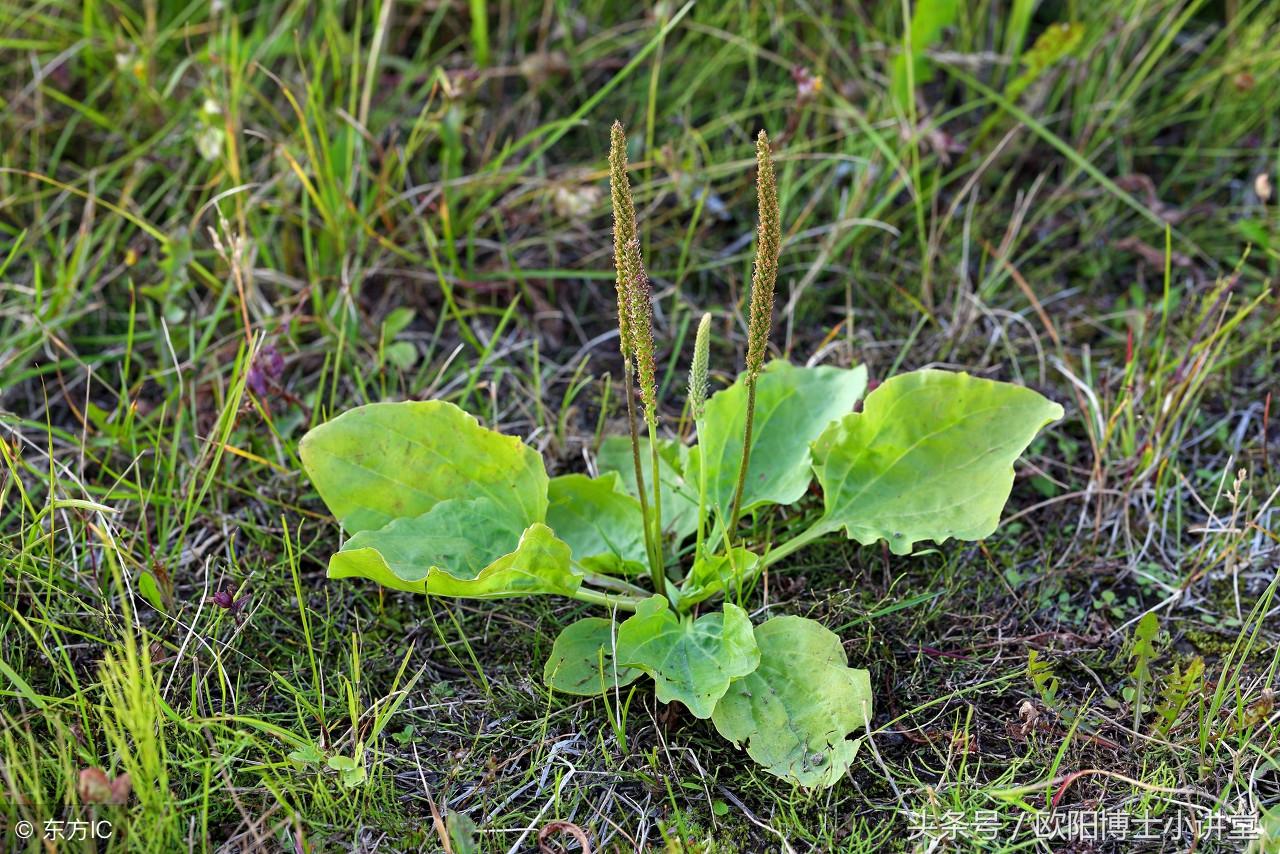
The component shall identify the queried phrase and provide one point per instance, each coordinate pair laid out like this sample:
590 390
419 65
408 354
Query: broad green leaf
679 496
690 660
536 561
582 660
717 573
539 564
600 522
796 710
930 457
462 535
367 563
386 461
793 407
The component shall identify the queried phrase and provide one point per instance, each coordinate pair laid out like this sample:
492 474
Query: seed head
698 369
624 232
766 265
640 330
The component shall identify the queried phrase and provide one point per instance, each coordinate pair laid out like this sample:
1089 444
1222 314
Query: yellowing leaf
797 708
385 461
537 563
463 536
929 458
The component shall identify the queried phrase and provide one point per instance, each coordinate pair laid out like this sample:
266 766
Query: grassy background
220 223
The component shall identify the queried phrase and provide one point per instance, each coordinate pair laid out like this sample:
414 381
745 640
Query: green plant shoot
433 502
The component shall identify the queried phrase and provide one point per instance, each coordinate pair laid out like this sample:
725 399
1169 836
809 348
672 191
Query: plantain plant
435 503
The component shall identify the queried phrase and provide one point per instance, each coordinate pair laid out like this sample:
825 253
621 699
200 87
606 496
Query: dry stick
761 317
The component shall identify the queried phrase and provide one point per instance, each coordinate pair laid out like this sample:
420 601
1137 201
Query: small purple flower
266 370
227 601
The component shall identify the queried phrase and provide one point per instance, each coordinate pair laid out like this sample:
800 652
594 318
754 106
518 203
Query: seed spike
639 301
699 367
760 320
624 231
768 246
635 338
698 370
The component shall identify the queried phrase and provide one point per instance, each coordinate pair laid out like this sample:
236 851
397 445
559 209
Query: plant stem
763 278
818 529
658 568
702 504
746 460
655 565
610 583
606 600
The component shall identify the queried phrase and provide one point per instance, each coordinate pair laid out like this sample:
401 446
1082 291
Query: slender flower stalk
635 338
639 300
760 321
698 370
